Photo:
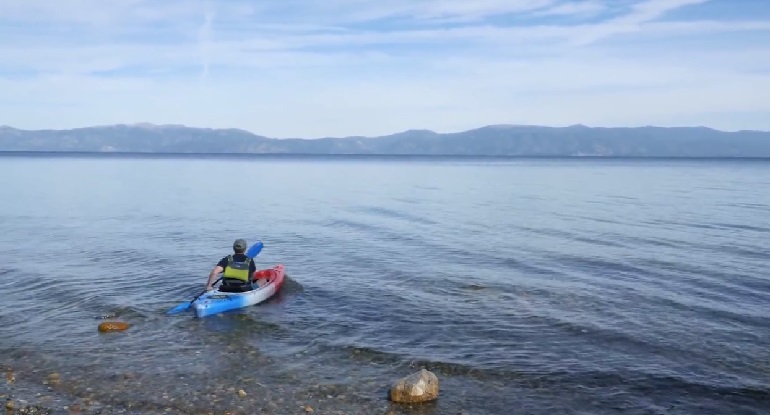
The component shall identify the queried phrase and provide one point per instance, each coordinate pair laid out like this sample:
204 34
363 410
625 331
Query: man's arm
213 276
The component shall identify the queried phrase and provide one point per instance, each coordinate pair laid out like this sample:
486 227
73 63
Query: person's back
237 270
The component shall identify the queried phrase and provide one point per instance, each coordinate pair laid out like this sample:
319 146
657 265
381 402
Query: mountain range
493 140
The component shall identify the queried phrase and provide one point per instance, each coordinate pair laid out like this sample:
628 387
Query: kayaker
237 270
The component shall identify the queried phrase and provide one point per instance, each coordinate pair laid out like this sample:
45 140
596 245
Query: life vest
237 270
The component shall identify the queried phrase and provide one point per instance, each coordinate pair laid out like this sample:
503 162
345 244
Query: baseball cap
239 244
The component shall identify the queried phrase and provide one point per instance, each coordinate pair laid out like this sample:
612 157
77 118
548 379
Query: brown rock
112 326
418 387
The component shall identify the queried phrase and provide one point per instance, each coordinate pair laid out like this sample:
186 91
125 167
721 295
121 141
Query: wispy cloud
579 8
204 38
343 67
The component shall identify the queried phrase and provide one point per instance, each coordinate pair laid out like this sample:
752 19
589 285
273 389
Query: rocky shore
34 392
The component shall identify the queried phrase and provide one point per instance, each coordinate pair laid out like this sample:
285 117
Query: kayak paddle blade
184 306
255 249
180 308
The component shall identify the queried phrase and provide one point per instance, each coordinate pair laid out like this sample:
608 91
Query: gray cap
240 244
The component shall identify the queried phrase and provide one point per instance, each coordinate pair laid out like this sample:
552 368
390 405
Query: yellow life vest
237 270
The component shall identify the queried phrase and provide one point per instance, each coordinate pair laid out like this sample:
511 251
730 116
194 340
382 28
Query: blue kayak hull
215 301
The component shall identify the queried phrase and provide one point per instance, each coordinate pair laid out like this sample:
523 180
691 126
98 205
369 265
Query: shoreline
36 390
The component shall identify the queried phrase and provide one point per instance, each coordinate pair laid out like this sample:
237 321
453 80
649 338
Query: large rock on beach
418 387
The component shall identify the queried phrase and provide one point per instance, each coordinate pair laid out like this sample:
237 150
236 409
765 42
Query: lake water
528 286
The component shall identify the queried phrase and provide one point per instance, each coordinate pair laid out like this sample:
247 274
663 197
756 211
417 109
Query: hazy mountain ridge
493 140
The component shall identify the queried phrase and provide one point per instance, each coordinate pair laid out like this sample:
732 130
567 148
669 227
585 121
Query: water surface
534 286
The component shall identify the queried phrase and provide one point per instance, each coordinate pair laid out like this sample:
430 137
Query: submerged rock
113 326
418 387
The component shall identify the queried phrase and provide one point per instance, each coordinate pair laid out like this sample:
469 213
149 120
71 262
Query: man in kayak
237 270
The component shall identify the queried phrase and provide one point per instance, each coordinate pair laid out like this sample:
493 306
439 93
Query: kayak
215 301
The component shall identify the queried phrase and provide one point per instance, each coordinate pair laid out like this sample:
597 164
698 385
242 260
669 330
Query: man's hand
209 288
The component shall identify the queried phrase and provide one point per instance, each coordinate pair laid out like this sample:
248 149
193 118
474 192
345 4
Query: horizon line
580 125
162 154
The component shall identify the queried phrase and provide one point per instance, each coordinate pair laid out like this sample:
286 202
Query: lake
528 286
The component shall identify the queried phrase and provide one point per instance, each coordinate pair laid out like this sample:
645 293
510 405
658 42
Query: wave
539 377
396 214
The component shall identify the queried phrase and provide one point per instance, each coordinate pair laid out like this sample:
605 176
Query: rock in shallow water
418 387
112 326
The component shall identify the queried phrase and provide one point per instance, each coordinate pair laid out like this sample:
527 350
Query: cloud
344 67
204 38
580 8
641 13
353 11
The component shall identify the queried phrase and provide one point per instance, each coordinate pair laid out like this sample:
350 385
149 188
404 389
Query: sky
319 68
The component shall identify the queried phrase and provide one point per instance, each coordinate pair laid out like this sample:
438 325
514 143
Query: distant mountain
495 140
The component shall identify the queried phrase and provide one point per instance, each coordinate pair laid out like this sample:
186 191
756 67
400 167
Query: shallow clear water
532 286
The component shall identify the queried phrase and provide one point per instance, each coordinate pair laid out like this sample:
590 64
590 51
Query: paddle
255 249
251 253
184 306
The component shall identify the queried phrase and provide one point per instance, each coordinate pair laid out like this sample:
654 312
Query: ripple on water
565 287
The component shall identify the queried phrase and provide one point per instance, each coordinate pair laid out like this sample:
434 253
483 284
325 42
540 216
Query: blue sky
302 68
